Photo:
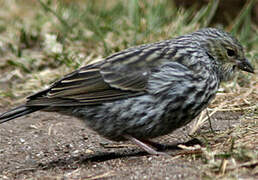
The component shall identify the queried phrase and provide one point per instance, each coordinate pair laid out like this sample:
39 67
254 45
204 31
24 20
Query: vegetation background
42 40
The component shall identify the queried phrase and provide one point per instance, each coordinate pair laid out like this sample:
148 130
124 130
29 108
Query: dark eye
230 52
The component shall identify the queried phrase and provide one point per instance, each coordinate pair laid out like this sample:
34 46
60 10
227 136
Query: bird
144 91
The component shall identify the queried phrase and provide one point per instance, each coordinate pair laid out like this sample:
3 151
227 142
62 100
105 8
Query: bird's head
226 51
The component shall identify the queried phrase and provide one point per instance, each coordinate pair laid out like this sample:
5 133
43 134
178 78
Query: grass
40 41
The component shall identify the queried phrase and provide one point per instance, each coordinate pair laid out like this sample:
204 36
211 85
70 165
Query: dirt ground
50 146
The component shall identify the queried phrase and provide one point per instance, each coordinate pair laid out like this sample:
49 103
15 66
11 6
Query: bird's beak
245 65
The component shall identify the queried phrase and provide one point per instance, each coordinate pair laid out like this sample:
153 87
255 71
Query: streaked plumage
144 91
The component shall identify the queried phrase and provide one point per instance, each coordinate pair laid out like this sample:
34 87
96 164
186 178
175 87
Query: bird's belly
140 117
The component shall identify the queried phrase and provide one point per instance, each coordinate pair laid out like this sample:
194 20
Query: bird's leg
148 148
155 144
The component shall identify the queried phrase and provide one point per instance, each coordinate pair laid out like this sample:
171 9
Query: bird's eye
230 52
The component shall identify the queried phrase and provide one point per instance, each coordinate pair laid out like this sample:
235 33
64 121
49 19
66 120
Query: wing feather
121 75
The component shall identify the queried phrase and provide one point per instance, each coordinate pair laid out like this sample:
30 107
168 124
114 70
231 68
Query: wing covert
121 75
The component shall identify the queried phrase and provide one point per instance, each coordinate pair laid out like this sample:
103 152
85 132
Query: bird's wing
129 69
119 76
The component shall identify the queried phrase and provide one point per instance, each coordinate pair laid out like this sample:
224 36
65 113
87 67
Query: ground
42 40
51 146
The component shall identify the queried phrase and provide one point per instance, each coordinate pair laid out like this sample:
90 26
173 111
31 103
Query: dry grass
37 48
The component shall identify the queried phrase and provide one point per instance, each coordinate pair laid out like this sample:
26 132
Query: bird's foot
145 145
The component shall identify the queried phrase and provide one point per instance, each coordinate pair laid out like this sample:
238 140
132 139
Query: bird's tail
18 111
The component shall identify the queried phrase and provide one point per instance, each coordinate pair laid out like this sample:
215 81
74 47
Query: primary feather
144 91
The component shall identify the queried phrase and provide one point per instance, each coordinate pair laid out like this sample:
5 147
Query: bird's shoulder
121 75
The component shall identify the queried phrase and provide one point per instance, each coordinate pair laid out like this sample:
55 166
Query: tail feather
18 112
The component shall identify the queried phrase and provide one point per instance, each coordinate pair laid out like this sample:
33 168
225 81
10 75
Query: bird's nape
144 91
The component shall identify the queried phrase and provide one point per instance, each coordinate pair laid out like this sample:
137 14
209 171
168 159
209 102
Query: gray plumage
144 91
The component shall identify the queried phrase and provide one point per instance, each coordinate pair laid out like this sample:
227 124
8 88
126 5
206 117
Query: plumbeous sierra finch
144 91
